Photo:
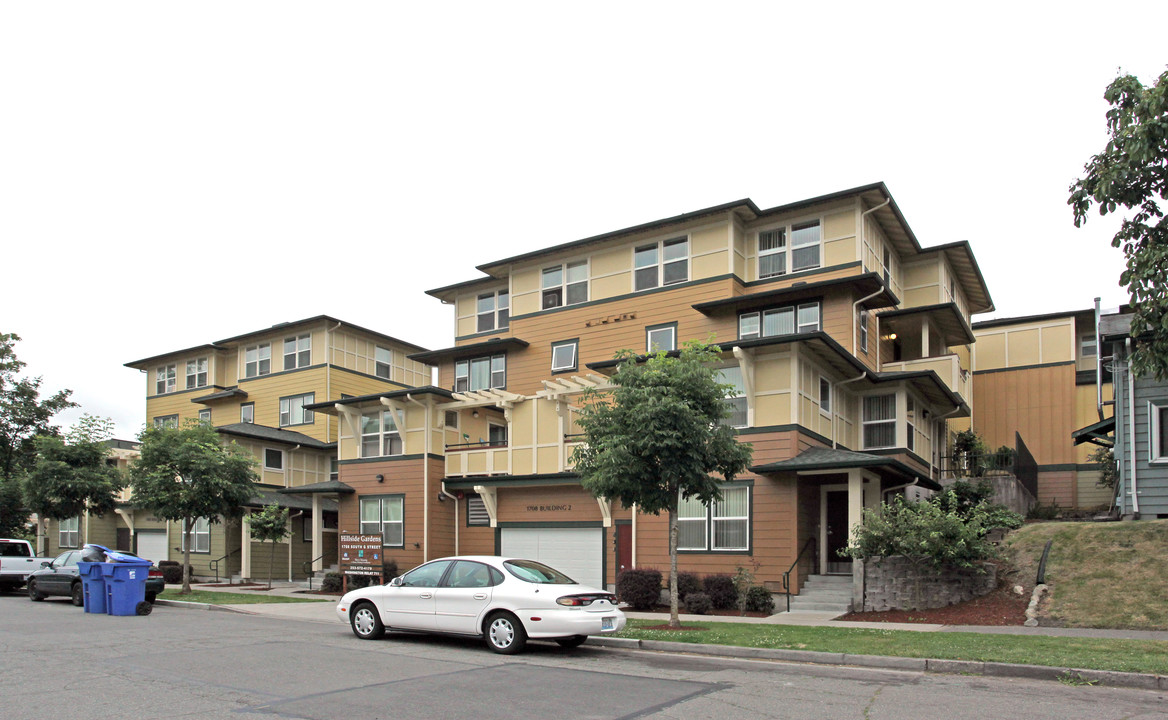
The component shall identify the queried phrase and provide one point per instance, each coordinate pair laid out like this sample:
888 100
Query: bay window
879 421
736 399
779 321
482 373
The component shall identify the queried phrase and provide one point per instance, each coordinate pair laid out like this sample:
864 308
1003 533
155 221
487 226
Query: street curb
187 605
1109 678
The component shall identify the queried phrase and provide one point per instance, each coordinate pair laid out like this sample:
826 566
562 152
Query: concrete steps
824 593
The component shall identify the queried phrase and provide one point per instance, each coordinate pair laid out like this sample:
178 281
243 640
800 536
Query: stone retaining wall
895 583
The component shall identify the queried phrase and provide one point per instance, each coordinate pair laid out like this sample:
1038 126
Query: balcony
480 458
947 367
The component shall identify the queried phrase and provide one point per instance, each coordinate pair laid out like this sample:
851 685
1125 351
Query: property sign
361 554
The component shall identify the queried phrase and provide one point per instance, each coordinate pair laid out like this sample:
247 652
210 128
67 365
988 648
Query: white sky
176 173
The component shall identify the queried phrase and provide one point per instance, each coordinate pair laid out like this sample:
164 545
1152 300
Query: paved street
58 661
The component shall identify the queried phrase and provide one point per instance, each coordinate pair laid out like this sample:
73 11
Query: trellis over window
721 526
785 320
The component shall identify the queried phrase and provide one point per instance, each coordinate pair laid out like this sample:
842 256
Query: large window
196 373
481 373
879 421
660 264
565 284
720 526
791 248
292 410
257 360
164 379
564 355
68 535
1158 421
383 516
382 362
297 352
166 421
732 375
492 311
200 536
779 321
379 435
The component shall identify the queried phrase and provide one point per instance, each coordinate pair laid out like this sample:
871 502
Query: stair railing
214 565
814 568
306 566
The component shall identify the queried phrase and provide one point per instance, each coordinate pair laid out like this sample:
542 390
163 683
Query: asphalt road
56 661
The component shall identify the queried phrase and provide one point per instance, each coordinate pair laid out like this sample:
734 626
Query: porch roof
864 284
265 496
822 458
946 316
486 347
1096 433
328 486
234 392
252 431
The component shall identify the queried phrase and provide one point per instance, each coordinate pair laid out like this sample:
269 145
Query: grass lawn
228 598
1085 653
1103 575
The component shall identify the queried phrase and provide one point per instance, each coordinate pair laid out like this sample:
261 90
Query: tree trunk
186 588
674 622
271 562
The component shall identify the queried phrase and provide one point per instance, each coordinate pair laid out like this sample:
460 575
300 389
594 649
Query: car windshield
533 572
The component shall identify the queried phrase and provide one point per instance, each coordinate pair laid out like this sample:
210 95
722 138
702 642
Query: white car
504 600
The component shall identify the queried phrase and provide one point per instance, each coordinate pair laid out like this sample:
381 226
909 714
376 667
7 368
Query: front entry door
837 531
624 547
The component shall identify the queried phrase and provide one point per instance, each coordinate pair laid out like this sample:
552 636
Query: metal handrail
306 566
483 445
214 564
787 575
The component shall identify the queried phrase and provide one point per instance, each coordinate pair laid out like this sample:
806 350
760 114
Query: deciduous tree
270 525
658 436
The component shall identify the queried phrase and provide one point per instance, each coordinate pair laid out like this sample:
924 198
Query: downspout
894 488
425 478
855 322
1131 424
633 559
328 378
442 491
946 416
834 405
299 513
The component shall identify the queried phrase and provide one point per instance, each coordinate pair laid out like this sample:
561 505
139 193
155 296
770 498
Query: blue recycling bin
93 586
125 584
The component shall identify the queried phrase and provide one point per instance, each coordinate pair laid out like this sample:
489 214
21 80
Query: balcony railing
947 367
979 465
478 458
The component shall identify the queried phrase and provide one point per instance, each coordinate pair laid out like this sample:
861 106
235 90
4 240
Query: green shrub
721 590
759 599
1044 512
639 587
172 572
687 583
923 531
698 603
333 582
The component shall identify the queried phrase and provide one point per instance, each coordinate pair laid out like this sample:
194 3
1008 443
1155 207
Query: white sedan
504 600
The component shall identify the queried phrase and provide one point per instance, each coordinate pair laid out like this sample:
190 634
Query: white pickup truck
16 562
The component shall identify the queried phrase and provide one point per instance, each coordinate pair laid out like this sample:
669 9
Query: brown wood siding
547 504
1057 487
404 477
1038 403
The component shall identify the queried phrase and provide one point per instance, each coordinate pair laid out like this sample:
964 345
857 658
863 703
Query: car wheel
505 634
366 622
571 641
34 594
78 595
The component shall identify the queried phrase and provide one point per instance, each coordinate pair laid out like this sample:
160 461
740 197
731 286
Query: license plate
607 623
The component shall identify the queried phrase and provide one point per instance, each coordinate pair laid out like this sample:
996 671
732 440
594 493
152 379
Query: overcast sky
177 173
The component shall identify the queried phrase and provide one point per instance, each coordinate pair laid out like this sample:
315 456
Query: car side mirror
46 563
396 582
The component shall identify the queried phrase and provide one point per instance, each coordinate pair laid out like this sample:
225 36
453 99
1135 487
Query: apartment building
256 390
848 342
1034 385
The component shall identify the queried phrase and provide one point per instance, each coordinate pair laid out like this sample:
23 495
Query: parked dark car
60 576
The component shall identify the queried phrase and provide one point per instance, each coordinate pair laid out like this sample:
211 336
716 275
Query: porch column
317 534
855 499
245 547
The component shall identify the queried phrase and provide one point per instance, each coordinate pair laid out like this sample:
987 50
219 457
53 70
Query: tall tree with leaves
187 473
658 436
70 476
1132 173
270 525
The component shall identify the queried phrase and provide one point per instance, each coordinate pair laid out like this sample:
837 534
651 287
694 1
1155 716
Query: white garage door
576 552
152 546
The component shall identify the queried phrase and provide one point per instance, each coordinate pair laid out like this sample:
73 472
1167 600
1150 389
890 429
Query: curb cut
1110 678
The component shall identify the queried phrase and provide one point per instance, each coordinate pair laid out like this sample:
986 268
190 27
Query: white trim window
806 241
1158 432
910 421
564 355
481 373
384 516
492 311
722 526
379 435
779 321
662 338
736 398
808 318
247 412
824 395
292 410
297 351
196 373
864 331
205 416
382 362
565 284
772 253
200 536
660 264
1087 346
165 379
68 535
274 459
879 421
257 360
166 421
